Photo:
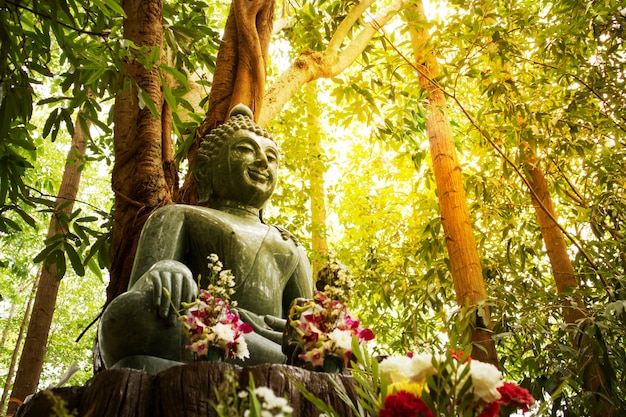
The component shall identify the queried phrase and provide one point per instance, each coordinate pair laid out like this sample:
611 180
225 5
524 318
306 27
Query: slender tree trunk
574 310
139 173
18 343
317 192
464 258
35 346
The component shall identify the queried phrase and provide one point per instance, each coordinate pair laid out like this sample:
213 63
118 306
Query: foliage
522 78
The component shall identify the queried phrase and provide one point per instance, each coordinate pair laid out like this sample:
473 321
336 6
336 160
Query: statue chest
261 260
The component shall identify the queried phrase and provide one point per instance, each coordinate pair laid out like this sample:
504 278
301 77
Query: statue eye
244 147
271 156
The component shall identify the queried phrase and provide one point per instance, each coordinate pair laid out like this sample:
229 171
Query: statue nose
261 159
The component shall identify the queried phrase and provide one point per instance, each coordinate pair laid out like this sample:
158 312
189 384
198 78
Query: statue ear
202 176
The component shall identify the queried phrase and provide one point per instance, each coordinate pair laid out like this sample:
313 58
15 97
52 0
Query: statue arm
300 285
163 237
159 266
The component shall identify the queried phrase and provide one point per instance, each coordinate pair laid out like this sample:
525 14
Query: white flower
420 366
399 369
241 349
270 402
224 332
485 381
263 392
396 368
342 339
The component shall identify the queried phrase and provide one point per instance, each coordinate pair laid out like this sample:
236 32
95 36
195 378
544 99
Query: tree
455 218
593 366
34 351
241 60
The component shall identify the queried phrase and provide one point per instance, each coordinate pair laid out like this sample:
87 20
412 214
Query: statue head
237 161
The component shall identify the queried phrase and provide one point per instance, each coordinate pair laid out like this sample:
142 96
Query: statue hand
260 325
174 278
276 323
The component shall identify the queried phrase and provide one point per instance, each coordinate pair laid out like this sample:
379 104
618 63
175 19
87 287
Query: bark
462 249
593 368
138 179
190 391
35 345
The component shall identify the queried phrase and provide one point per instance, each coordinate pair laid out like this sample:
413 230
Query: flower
408 369
210 322
271 405
485 381
224 332
341 338
404 404
325 327
458 386
512 394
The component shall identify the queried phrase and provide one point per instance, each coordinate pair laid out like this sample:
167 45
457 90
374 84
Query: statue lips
258 176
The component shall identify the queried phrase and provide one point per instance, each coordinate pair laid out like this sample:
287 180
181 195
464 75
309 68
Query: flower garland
209 322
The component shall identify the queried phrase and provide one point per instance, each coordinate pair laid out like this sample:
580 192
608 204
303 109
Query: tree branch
45 16
346 24
311 65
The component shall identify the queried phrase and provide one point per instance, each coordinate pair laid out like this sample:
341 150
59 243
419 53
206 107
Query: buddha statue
236 172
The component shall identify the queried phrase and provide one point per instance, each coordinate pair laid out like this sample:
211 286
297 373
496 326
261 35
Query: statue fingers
275 323
164 304
157 287
189 288
274 336
175 295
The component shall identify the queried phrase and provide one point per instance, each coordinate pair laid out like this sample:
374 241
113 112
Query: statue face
246 169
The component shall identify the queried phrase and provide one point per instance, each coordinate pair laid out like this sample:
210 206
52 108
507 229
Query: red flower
459 356
366 334
512 394
404 404
490 410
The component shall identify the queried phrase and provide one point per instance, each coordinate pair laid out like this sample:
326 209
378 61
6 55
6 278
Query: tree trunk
18 344
574 311
189 391
464 258
35 345
138 179
317 192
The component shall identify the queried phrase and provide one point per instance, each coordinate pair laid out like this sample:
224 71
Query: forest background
532 88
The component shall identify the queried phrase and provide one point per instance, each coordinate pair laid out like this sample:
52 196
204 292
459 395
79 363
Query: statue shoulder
176 210
286 235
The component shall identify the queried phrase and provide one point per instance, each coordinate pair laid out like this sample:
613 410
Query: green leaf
77 264
116 7
146 101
